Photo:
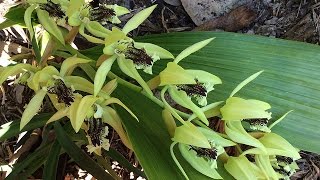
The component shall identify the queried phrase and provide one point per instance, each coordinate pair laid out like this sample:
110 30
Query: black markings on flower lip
63 92
287 160
257 121
101 13
193 89
96 130
205 152
53 9
138 56
282 171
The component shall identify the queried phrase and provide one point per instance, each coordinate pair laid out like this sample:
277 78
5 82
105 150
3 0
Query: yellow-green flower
97 135
241 168
196 83
78 11
249 110
129 54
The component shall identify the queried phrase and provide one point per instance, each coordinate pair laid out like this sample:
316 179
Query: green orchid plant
81 90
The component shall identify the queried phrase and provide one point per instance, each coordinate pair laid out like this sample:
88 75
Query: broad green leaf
80 157
194 48
290 81
50 25
137 19
101 74
33 107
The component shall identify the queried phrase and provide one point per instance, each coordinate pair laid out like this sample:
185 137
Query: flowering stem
176 160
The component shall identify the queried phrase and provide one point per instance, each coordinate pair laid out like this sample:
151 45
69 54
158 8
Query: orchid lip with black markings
282 171
101 13
63 92
205 152
257 121
53 9
138 56
193 89
287 160
96 130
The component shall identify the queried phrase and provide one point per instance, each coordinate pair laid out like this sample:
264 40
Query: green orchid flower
249 110
93 114
200 147
241 168
47 12
129 54
279 161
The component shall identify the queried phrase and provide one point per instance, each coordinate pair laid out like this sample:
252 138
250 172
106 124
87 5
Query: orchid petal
189 50
202 165
33 107
237 109
128 67
137 19
182 99
101 74
153 49
175 74
238 134
190 134
245 82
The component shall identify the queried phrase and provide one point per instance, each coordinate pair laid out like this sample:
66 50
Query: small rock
271 21
173 2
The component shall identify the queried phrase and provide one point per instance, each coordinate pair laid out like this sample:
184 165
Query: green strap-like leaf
50 166
81 158
30 164
11 129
